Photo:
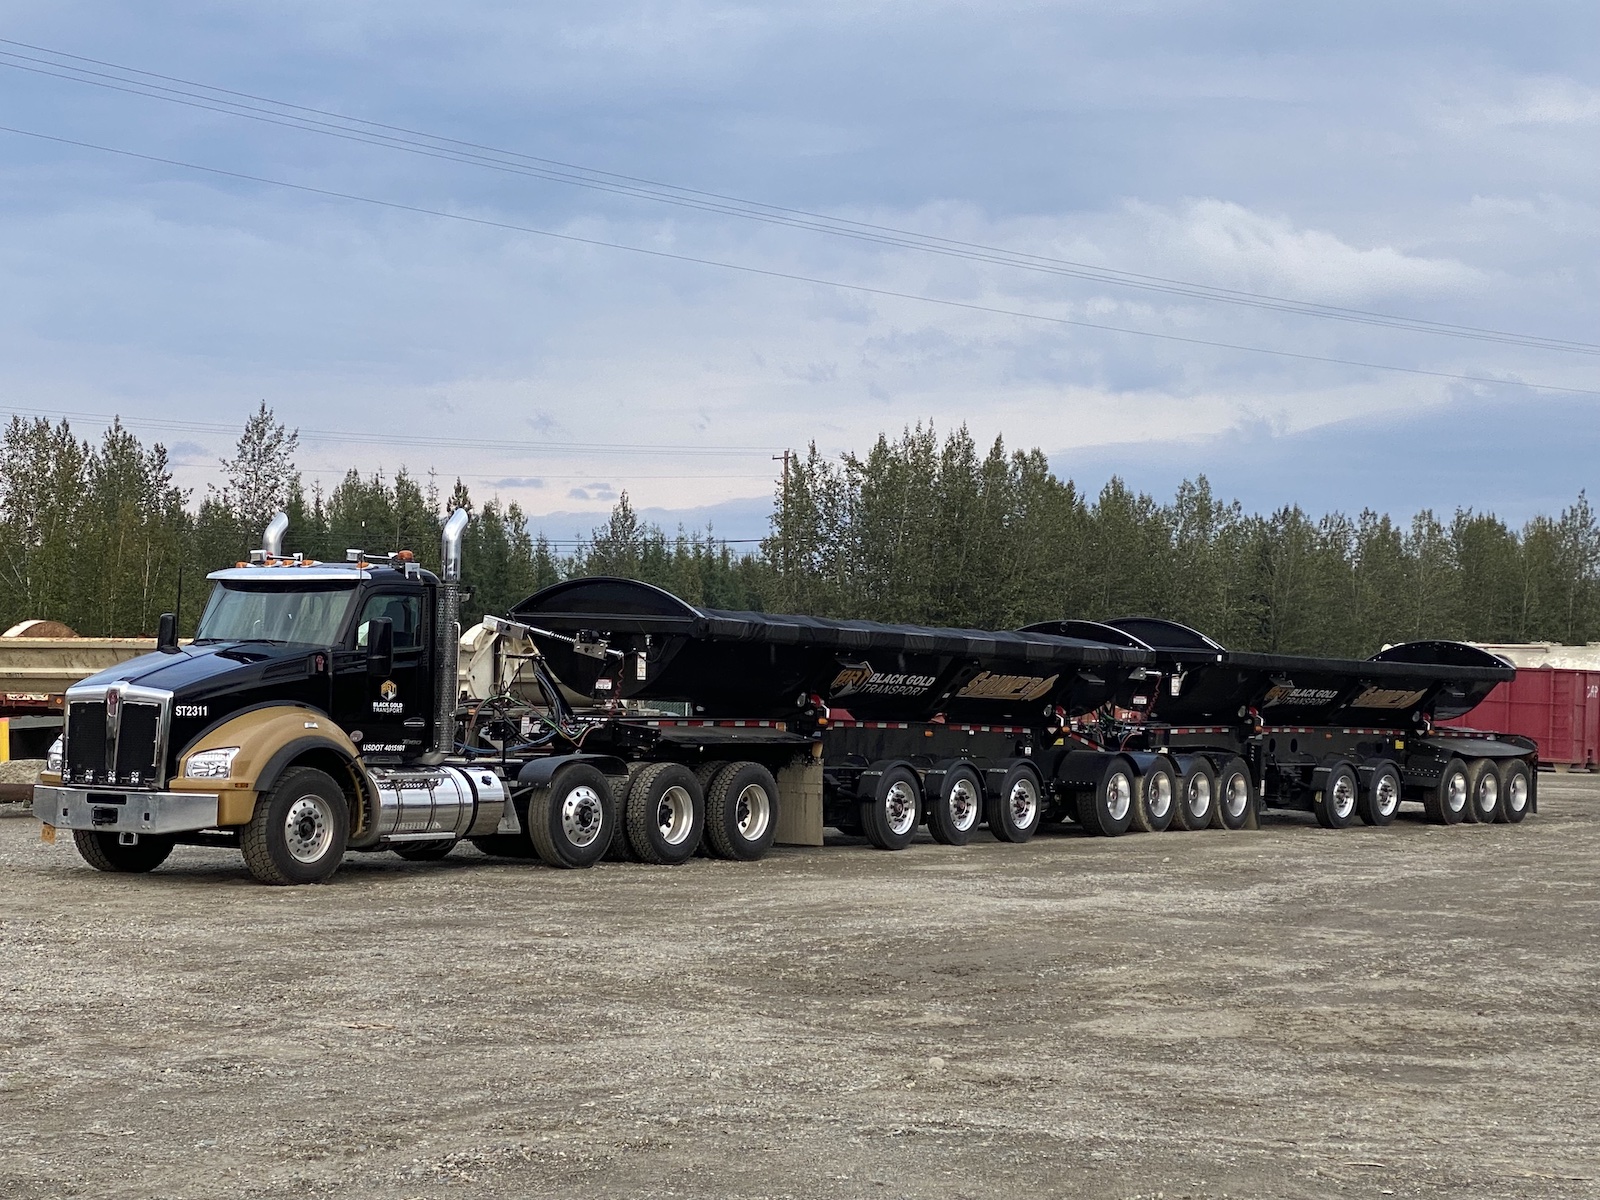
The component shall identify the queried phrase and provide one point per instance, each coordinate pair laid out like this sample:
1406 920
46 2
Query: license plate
47 833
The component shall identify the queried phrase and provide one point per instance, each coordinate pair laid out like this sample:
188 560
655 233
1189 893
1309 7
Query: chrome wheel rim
675 815
1455 793
1024 803
1158 794
1488 794
1236 796
1517 794
753 811
582 815
308 828
1199 793
1386 794
1343 795
1119 796
900 807
964 804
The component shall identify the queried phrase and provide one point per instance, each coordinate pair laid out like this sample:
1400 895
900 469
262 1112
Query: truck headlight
52 760
210 764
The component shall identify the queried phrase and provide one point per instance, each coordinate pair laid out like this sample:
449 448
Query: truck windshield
309 616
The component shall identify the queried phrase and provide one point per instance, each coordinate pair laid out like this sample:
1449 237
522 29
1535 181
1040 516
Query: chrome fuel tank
422 803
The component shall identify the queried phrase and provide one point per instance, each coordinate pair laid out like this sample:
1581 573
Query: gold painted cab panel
264 737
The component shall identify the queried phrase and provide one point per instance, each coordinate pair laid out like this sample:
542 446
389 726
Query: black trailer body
1136 723
1341 738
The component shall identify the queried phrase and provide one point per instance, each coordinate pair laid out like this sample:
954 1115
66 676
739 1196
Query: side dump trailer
324 708
1137 723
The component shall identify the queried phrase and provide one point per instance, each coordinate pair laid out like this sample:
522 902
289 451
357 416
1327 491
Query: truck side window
404 613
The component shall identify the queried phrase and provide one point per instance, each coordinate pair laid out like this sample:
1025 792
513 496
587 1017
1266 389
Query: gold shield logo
388 690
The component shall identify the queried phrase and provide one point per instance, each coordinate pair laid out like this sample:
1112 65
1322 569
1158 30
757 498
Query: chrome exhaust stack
272 539
447 639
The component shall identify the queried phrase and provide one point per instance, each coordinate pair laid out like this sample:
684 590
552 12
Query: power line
211 98
765 272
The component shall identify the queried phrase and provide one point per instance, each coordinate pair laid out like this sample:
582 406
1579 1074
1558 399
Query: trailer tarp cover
1207 683
731 663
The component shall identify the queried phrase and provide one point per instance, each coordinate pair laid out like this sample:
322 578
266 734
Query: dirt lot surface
1286 1013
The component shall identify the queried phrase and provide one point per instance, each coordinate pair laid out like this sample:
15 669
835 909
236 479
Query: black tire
298 831
955 812
1236 795
1446 802
1516 791
1334 803
1197 796
741 812
1015 810
1156 800
104 852
1483 791
665 814
1380 799
572 818
890 818
1107 810
430 851
619 850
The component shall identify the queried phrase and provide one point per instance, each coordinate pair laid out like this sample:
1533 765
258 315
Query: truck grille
86 742
138 741
116 744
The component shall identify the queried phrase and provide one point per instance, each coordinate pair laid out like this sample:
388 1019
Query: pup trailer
328 708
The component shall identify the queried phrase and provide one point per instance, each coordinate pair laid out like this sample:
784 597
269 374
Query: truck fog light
52 760
210 764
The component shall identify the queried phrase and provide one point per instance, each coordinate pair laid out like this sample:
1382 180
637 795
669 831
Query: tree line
919 529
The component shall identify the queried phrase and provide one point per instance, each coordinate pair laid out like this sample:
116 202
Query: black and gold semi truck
325 708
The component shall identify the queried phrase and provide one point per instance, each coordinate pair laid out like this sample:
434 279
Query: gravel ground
1287 1013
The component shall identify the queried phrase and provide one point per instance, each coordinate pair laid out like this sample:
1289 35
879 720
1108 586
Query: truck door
395 713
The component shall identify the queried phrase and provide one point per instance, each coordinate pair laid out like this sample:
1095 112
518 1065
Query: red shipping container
1555 706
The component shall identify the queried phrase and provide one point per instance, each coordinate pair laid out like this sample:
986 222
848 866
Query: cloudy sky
1260 175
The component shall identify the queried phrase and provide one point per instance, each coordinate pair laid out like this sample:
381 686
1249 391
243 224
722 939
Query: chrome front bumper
110 811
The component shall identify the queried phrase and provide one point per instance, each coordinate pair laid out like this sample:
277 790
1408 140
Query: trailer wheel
1516 791
1335 802
1446 803
1014 813
429 851
665 814
571 819
1235 794
889 819
954 814
1380 799
298 831
1197 796
104 852
741 812
1483 791
1107 809
1154 802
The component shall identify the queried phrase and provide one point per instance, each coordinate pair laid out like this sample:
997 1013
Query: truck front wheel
104 852
299 830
